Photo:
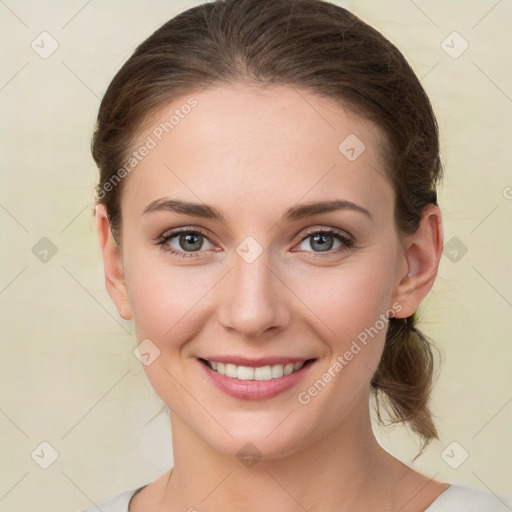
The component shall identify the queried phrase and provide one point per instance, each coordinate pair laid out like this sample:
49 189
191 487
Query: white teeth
244 373
231 370
263 373
288 369
255 373
277 371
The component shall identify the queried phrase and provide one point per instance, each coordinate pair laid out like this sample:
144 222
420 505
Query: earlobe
125 311
112 263
422 253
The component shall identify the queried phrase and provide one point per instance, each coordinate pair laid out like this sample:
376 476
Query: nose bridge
252 299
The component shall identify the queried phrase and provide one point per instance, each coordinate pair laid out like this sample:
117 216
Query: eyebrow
291 214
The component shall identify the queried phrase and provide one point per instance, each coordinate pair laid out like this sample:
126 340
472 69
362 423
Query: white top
457 498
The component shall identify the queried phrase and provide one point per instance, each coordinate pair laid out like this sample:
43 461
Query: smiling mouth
268 372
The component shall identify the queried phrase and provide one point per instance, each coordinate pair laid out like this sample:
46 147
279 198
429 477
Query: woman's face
268 280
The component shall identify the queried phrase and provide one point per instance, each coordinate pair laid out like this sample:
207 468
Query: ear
112 263
421 255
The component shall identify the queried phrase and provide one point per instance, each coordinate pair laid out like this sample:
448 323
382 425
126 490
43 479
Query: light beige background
69 376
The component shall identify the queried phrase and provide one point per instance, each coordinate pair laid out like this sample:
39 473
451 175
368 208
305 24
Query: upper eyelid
338 231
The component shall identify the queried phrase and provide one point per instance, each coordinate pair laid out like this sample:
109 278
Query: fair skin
252 154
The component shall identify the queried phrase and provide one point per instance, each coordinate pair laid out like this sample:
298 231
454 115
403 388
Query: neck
343 469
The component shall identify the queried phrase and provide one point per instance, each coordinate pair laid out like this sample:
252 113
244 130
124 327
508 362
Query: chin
260 439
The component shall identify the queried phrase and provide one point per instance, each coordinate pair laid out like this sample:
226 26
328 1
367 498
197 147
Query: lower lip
256 389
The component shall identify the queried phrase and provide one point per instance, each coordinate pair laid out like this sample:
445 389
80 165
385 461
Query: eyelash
347 242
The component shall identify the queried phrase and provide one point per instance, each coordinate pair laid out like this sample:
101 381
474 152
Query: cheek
348 300
165 299
167 304
163 295
352 306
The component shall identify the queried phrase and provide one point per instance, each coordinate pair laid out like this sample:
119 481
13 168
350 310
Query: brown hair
315 46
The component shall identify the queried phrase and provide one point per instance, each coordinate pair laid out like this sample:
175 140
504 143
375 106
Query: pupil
323 245
189 239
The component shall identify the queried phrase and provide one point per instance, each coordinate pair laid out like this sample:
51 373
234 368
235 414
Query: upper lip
255 362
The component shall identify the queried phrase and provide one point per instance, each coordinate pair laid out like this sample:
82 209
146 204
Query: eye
323 241
184 243
189 243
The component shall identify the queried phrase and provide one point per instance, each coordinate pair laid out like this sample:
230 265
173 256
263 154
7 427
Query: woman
268 218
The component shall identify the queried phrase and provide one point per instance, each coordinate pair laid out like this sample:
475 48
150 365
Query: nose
255 301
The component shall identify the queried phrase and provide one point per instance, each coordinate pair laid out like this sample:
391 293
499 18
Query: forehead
273 144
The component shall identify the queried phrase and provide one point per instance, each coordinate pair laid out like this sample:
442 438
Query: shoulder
119 503
460 498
